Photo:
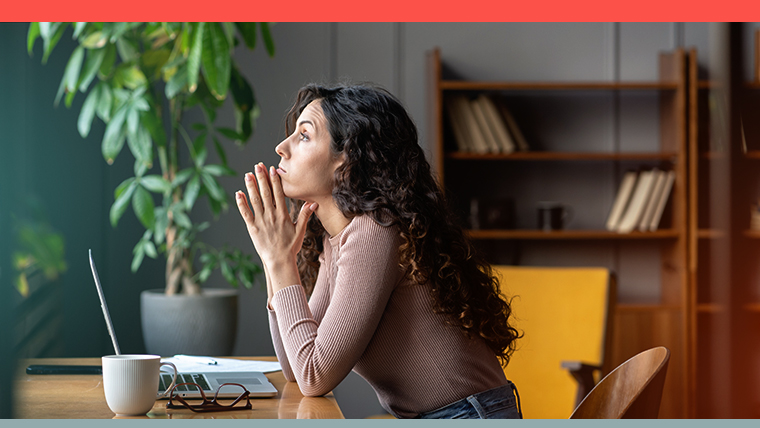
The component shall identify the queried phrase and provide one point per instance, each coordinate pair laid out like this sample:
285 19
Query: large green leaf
218 170
128 49
88 111
139 254
194 58
95 40
78 28
150 120
51 33
177 82
123 195
109 59
113 139
71 73
220 151
248 31
216 60
245 103
31 36
129 76
105 102
267 36
156 183
183 176
191 192
212 186
141 145
142 204
162 222
91 67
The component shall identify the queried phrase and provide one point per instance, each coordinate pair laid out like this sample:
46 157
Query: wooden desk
82 397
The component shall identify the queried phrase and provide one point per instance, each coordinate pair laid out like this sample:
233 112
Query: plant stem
179 266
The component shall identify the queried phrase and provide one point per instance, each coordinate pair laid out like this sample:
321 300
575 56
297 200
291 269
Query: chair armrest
584 375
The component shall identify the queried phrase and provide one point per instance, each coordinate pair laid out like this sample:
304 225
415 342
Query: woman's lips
280 170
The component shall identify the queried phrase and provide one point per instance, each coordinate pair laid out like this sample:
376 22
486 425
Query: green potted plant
140 78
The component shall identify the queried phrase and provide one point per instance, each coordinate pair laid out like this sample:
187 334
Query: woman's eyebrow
306 121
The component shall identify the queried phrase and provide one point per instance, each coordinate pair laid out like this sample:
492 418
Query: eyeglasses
206 405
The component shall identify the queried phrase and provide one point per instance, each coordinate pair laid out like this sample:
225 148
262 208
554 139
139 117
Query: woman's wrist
283 273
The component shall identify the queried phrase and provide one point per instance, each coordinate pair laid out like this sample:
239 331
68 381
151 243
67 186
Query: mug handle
174 379
567 215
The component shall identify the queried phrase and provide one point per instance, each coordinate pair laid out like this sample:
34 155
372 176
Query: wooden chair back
632 391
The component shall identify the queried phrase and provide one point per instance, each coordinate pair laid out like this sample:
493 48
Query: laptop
255 382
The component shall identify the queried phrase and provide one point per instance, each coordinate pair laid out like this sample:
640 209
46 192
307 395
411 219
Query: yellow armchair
565 315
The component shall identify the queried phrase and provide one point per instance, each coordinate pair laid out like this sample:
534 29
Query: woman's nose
280 148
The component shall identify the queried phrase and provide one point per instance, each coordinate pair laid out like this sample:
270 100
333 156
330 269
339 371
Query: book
662 200
657 187
636 205
464 110
497 124
517 135
621 199
485 128
458 126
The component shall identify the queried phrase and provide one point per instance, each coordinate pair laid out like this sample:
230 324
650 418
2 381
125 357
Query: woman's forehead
313 110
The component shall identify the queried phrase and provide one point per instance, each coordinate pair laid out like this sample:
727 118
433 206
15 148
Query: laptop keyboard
166 379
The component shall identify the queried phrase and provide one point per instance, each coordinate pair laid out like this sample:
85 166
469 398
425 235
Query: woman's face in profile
307 166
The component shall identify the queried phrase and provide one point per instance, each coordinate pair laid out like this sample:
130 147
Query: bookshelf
723 249
638 325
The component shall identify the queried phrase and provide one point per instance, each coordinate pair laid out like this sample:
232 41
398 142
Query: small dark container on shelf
492 213
553 216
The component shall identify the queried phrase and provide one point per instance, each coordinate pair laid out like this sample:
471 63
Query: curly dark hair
385 175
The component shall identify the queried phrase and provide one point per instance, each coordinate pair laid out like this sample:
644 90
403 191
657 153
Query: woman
397 293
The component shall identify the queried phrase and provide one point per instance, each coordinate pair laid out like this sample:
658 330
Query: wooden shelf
712 155
708 84
750 233
710 234
752 154
461 85
529 234
710 308
564 156
752 307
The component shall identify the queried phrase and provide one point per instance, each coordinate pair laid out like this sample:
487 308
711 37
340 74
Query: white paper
199 365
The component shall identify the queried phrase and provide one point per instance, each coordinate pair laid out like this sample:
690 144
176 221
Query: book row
640 201
483 124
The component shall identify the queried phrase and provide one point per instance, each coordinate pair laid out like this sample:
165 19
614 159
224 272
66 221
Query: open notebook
255 382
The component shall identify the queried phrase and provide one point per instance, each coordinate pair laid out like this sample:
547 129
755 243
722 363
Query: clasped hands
276 238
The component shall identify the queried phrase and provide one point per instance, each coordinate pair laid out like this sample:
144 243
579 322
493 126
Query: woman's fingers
245 210
303 219
279 195
264 187
253 193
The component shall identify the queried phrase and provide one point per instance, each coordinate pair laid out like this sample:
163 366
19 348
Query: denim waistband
500 402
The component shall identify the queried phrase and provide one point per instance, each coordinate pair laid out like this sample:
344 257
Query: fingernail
248 177
271 171
313 206
238 195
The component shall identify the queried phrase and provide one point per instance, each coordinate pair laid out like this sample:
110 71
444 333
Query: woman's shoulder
365 227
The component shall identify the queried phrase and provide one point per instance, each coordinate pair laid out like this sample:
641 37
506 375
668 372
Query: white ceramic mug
131 382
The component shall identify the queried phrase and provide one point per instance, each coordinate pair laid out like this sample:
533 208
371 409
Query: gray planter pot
205 324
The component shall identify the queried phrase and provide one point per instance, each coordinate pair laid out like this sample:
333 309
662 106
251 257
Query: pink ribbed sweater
365 315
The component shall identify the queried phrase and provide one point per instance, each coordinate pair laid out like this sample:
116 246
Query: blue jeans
502 402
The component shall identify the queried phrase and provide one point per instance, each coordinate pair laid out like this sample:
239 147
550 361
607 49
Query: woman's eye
304 136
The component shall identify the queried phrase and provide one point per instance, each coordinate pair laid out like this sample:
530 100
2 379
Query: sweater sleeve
321 354
282 357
